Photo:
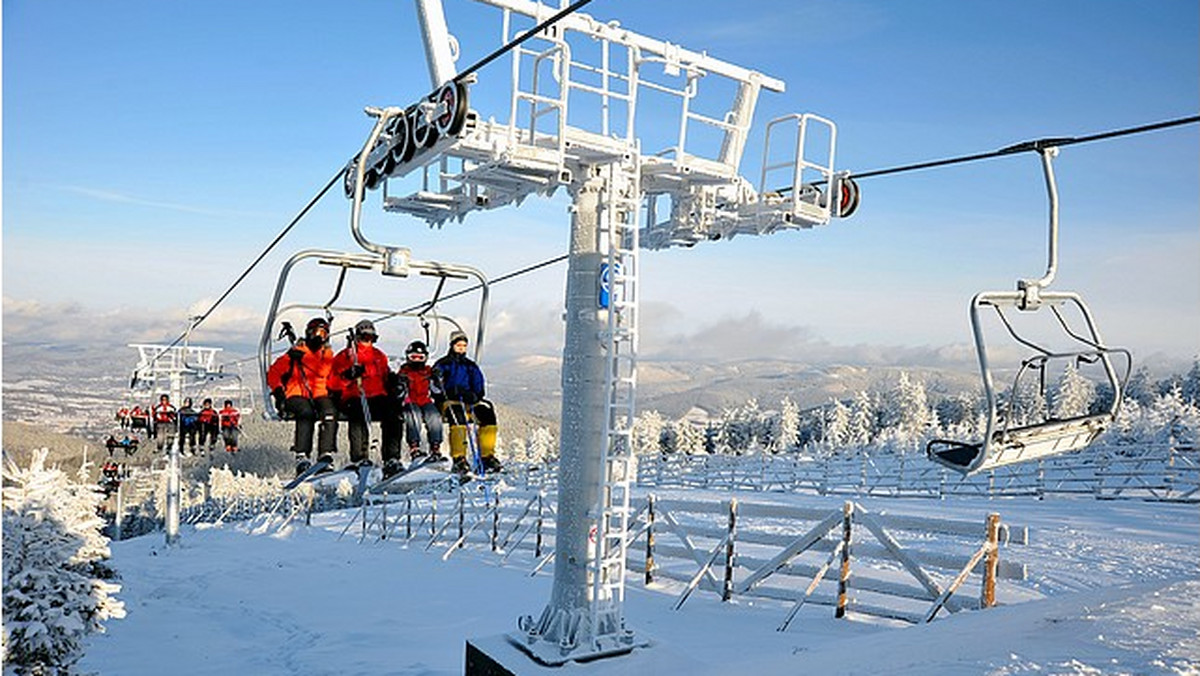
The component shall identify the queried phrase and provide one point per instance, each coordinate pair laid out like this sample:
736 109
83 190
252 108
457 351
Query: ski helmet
318 328
365 329
416 351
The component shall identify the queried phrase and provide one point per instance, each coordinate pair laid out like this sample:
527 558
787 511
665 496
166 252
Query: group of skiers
313 386
204 427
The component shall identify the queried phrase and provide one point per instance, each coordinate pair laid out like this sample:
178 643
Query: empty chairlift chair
1012 435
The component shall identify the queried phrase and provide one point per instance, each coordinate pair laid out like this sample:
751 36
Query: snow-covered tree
1028 403
1191 384
647 432
55 577
862 420
739 427
837 425
915 414
689 438
789 425
1073 395
1139 387
541 446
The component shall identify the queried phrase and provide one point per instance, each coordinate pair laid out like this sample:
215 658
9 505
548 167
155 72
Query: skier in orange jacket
299 382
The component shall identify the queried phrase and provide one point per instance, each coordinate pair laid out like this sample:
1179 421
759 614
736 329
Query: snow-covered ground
1114 587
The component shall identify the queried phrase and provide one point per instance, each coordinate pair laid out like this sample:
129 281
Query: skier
462 401
299 382
208 420
111 444
189 424
422 384
138 419
231 426
165 419
123 416
110 478
363 376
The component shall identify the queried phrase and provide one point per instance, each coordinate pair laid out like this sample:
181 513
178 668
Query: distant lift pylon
1011 435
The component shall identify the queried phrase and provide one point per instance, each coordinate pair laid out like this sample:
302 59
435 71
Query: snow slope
1115 588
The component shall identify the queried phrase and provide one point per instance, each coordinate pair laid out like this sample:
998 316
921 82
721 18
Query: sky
152 151
1111 590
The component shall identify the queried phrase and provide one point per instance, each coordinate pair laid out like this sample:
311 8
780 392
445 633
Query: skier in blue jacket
462 400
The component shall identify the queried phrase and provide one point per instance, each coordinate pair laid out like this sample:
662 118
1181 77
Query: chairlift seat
1022 444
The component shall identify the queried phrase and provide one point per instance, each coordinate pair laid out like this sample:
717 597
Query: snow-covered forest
902 418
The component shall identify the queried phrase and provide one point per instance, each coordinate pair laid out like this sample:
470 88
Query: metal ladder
621 209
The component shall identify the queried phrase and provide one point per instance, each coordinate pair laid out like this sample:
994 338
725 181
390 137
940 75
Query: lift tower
573 122
166 367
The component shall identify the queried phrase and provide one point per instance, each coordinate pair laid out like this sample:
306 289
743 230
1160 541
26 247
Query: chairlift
424 312
1007 438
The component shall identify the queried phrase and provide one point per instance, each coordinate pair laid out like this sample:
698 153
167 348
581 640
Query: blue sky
152 149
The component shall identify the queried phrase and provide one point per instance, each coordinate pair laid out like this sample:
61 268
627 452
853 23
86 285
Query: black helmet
416 348
365 328
315 325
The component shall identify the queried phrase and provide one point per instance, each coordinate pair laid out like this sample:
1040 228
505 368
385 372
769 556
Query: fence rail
1169 473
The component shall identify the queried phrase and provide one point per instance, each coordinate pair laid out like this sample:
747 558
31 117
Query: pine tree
647 432
55 588
862 416
789 424
837 425
689 438
1191 384
541 446
1073 395
1139 387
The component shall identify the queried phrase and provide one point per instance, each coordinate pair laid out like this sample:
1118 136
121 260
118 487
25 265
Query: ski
383 485
313 470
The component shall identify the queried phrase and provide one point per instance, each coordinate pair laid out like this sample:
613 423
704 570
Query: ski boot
302 463
392 467
492 465
435 454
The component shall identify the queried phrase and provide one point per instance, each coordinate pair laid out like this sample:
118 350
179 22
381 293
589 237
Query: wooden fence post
992 562
650 539
844 577
727 590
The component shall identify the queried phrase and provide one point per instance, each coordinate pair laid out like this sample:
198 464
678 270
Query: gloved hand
353 372
280 399
296 354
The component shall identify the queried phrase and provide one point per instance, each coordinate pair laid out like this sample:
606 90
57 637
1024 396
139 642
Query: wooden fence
890 566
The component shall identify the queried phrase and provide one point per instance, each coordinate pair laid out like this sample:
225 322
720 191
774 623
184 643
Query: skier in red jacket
231 426
165 422
209 424
362 374
419 407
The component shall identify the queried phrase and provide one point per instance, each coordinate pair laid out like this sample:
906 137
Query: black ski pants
383 411
307 412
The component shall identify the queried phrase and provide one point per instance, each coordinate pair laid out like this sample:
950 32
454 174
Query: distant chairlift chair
1005 441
